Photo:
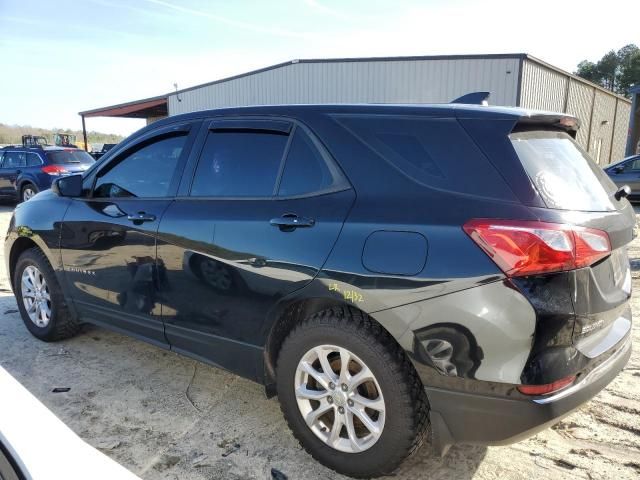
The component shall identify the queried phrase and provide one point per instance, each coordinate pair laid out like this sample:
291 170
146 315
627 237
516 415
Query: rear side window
63 157
33 160
563 174
436 153
14 160
239 163
305 170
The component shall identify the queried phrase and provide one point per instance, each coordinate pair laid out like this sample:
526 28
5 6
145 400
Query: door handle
141 217
289 222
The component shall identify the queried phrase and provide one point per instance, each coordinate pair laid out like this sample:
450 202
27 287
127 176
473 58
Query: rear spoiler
560 121
474 98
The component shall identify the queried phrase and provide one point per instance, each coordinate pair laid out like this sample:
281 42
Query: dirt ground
164 416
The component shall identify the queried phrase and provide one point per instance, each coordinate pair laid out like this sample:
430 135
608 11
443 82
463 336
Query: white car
37 445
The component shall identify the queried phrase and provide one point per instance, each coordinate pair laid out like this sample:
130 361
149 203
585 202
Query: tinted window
632 166
61 157
563 174
14 160
1 155
435 153
239 164
146 172
33 160
305 170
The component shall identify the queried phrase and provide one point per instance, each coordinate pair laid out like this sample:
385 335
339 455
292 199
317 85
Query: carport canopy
145 108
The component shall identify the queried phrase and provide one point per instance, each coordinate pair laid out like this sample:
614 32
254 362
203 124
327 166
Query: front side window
147 172
239 163
14 160
632 166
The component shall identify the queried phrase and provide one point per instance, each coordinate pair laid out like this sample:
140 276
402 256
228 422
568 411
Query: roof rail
474 98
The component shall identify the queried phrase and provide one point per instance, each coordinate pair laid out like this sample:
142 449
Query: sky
60 57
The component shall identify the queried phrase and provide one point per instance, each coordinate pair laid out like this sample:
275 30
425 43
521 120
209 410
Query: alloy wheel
339 398
28 193
36 296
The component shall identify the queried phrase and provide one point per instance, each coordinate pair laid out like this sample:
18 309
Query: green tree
616 71
589 71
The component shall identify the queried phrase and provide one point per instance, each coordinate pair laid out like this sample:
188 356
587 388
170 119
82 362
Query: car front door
108 237
12 165
257 223
628 174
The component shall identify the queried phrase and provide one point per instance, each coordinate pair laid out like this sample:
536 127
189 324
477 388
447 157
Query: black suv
392 273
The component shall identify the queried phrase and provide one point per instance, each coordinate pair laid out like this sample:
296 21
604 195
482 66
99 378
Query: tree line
615 71
12 134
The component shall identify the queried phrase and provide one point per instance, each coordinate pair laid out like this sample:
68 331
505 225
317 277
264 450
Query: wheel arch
22 244
22 182
285 317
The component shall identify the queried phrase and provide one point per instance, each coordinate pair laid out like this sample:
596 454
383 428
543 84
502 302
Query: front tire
40 300
350 395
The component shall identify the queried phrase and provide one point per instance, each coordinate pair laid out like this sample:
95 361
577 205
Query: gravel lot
164 416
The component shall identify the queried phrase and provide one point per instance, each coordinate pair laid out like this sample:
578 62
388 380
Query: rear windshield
69 156
563 174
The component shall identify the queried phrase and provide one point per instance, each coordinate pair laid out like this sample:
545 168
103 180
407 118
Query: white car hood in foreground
45 448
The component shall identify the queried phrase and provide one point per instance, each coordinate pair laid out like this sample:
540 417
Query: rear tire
27 191
401 422
40 300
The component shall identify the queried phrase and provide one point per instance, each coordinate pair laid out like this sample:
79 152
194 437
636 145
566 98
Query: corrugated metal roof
372 61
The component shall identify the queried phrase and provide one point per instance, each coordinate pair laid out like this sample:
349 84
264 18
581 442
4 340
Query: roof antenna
175 85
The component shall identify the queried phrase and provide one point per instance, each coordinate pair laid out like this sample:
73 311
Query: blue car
25 171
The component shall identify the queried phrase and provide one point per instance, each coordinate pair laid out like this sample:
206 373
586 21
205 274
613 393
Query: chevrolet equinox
456 273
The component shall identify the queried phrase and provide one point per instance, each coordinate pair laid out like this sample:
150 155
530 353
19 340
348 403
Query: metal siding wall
621 131
546 89
401 81
579 104
604 110
542 88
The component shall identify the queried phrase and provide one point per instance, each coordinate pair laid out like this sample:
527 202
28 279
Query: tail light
546 388
54 169
522 248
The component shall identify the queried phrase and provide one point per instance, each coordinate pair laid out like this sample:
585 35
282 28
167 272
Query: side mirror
70 186
618 170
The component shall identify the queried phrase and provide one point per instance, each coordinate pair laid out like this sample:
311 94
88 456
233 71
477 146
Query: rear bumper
459 417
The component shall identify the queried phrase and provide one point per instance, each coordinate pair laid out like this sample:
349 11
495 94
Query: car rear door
256 223
108 237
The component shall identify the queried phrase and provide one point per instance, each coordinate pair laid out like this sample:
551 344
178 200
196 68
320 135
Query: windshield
563 174
62 157
626 159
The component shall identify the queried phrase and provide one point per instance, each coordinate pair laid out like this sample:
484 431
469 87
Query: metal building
513 80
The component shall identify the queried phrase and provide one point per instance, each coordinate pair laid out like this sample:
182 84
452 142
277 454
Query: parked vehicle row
393 273
25 171
97 154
